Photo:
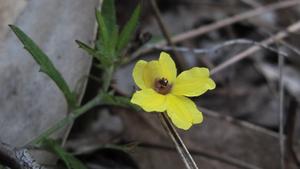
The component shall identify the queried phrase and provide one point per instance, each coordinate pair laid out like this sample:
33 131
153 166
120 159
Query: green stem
99 99
69 119
79 111
108 73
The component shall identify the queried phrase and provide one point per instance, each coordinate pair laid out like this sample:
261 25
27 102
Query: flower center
162 86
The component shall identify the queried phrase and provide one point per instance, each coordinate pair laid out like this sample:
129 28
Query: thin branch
165 32
222 23
252 3
68 119
218 47
290 128
291 47
281 111
228 21
251 50
180 146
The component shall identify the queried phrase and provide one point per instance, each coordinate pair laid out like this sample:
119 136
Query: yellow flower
162 90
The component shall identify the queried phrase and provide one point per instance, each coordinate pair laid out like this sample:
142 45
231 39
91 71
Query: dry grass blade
279 36
180 146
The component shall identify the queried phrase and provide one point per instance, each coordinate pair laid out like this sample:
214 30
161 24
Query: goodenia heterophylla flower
162 90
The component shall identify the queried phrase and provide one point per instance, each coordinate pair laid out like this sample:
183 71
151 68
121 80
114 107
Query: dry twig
281 111
222 23
290 128
279 36
218 47
165 32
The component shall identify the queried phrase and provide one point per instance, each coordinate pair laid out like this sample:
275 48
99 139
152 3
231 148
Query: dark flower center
162 86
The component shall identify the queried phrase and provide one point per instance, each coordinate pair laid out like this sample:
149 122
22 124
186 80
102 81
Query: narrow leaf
45 64
69 160
108 12
111 46
128 29
103 32
87 48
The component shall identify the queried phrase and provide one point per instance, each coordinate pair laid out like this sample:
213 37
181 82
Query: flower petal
183 111
152 71
168 67
193 82
149 100
138 74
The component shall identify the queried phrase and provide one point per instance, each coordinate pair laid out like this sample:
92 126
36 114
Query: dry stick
221 46
255 4
281 111
291 47
280 35
180 146
222 23
252 3
165 32
291 121
231 20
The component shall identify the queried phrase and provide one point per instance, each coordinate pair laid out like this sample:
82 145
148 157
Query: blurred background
241 116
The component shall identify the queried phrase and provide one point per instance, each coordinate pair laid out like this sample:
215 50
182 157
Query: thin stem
221 46
166 33
180 146
108 73
79 111
69 119
281 112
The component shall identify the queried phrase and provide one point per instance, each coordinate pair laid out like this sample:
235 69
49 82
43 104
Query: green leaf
103 32
70 161
128 29
108 12
46 65
112 43
87 48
